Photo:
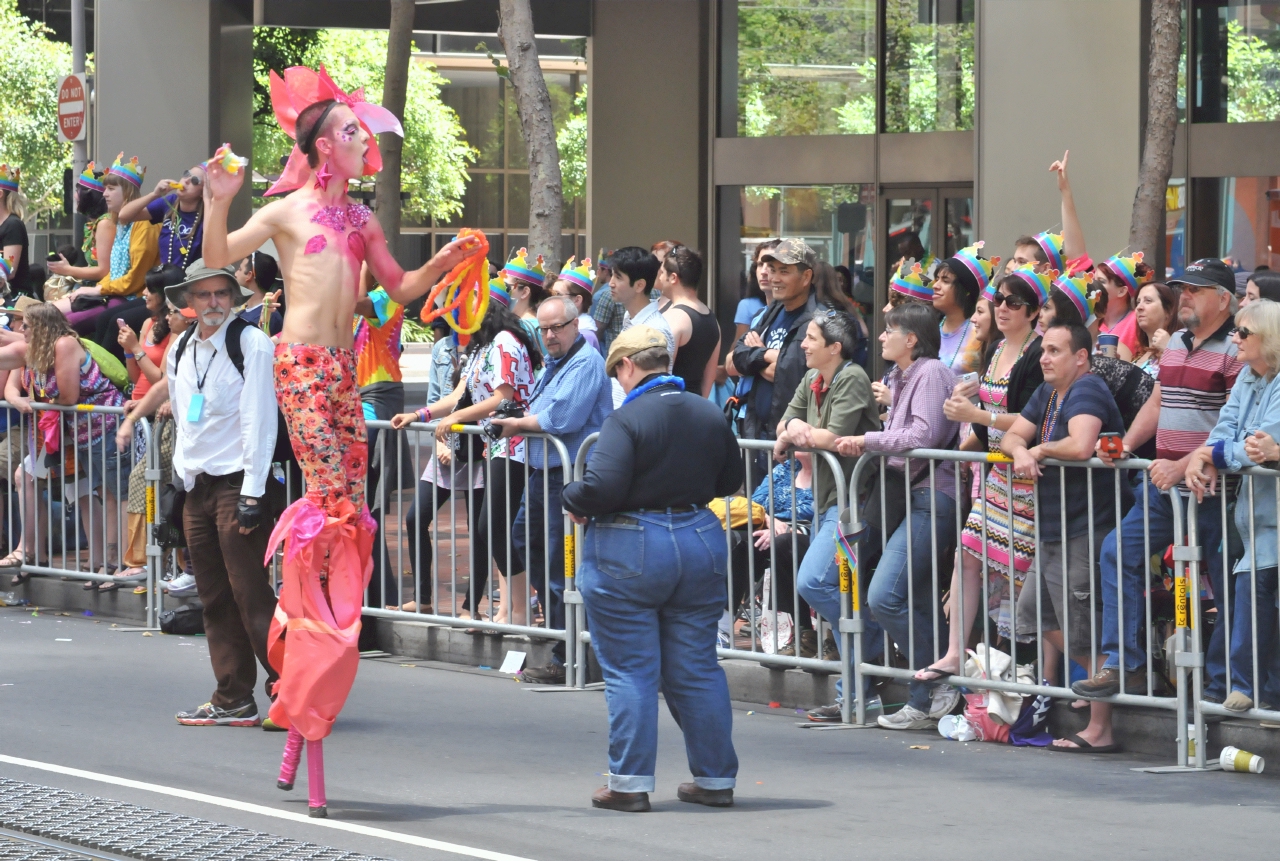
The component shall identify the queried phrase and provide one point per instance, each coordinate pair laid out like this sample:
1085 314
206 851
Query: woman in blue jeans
1245 436
832 400
900 594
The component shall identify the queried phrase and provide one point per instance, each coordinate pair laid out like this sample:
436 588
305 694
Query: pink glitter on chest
337 217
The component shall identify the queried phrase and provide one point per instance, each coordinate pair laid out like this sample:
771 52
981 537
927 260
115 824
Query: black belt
205 479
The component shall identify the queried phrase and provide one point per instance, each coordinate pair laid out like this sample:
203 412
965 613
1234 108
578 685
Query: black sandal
20 578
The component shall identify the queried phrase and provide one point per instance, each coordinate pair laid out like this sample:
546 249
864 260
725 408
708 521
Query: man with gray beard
222 390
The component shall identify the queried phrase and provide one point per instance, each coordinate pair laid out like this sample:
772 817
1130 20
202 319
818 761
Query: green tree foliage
571 140
30 65
1253 76
929 71
806 67
436 153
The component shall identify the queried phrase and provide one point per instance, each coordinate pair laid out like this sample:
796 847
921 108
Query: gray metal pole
80 149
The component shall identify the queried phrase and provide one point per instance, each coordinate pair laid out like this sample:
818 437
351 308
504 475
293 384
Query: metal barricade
1245 660
68 509
745 579
474 512
976 590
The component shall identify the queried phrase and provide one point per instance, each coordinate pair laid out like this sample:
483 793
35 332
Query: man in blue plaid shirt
570 402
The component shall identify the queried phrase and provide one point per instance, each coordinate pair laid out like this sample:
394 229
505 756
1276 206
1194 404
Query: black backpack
235 352
187 619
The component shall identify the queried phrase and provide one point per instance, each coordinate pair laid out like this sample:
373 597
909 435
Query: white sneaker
907 717
723 640
944 700
182 586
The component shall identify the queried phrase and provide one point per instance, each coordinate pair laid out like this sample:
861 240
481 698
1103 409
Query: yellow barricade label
84 408
998 458
151 504
846 572
1180 601
568 554
456 428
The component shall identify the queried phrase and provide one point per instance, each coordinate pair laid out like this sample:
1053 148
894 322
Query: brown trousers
233 584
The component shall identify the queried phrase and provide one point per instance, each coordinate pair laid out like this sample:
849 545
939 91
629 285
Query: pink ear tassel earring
323 176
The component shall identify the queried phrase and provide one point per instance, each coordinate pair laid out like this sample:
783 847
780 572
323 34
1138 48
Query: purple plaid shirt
916 420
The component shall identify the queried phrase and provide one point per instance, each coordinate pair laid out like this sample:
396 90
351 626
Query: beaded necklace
960 342
1051 414
175 227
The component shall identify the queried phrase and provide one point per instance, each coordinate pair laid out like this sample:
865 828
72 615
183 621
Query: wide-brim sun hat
197 272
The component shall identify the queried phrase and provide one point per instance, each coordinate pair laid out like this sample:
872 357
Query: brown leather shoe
1106 683
695 794
627 802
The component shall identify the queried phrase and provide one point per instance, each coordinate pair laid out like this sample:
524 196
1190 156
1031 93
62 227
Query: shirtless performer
322 238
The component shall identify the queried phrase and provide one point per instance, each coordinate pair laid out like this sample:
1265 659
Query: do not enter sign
71 108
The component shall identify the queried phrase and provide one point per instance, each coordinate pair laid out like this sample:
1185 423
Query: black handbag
467 447
187 619
169 516
87 303
895 502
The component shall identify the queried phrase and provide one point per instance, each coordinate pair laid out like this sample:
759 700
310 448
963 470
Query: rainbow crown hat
911 282
518 268
6 269
498 292
582 275
90 179
1076 288
1126 269
9 177
1039 282
1051 245
130 170
980 267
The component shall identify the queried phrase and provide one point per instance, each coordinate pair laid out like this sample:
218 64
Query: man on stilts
322 237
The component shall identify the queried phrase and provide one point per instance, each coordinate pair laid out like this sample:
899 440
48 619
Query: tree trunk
1147 227
394 87
515 31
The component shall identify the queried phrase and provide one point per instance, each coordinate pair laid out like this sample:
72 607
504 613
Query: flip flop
938 674
1083 746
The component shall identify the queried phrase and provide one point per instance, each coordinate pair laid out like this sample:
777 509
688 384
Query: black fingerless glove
249 512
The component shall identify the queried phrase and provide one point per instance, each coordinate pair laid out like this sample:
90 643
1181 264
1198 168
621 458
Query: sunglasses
1242 333
1194 289
1012 301
192 178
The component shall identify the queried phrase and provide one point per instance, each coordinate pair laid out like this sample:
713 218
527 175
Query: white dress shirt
237 426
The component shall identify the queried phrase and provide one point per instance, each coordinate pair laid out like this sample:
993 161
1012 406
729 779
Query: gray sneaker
831 713
944 701
907 717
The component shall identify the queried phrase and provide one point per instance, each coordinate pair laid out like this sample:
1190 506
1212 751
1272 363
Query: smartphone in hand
1112 444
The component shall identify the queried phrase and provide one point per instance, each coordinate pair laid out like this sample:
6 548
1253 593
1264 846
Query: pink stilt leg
292 756
315 779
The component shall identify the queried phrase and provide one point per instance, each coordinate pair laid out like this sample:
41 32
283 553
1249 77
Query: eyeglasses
1012 301
547 330
1194 289
208 295
1242 333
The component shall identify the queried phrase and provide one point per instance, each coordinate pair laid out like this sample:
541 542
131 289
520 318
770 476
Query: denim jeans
1136 559
1242 637
908 559
539 554
818 583
653 586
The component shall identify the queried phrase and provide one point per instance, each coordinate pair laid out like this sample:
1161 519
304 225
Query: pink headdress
301 87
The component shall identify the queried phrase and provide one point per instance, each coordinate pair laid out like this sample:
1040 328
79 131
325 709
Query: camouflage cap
792 252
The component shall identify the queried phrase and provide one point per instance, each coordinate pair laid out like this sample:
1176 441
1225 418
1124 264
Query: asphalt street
475 759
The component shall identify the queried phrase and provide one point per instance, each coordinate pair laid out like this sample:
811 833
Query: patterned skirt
1000 518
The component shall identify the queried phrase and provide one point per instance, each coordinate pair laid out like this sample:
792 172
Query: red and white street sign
71 108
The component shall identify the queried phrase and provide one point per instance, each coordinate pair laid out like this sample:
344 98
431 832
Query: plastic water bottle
9 599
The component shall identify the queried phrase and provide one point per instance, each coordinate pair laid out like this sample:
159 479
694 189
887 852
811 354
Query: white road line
425 842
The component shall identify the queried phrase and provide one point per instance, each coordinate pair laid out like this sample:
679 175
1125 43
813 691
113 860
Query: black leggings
417 526
783 573
504 488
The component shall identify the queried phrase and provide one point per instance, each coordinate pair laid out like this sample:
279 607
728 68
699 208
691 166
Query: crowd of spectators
1050 356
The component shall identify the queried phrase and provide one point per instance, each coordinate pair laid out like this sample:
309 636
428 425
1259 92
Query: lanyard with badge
196 409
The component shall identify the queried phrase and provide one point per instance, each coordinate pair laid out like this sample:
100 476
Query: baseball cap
637 339
1208 272
792 252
